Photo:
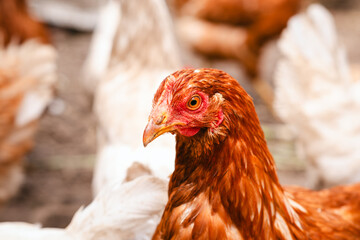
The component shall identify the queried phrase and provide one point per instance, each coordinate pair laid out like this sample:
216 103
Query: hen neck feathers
239 168
236 144
225 184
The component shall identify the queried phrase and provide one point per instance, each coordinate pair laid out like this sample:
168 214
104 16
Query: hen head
199 103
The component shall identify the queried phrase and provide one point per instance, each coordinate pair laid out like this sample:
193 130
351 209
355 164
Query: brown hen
225 184
17 24
27 81
233 28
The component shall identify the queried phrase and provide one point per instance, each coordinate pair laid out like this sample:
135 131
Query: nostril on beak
160 120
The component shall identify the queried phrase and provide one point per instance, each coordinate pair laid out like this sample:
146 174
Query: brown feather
225 185
234 28
17 24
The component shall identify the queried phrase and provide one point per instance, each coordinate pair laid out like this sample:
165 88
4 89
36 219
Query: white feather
143 53
122 211
317 97
67 13
27 231
130 210
99 55
112 167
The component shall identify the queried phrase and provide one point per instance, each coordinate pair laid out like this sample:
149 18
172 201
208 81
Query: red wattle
189 132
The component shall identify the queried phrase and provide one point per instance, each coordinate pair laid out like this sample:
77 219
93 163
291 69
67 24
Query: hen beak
156 128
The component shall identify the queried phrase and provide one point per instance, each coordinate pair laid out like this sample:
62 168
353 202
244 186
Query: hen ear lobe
216 110
217 100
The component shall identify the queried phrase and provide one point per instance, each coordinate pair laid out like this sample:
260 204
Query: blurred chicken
17 24
101 50
133 48
127 211
27 78
317 96
235 29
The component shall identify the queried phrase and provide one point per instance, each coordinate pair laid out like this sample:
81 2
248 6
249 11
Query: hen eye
194 102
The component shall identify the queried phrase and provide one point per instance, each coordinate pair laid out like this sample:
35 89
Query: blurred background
58 169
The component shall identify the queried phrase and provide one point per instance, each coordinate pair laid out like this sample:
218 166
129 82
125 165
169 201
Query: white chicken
27 79
319 99
128 211
137 50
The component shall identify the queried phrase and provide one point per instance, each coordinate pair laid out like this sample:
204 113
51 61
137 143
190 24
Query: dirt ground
59 169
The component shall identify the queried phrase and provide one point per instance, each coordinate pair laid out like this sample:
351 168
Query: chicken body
140 50
233 28
317 96
121 211
27 81
225 184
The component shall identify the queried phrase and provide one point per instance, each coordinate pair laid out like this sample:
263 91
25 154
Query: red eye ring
194 102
